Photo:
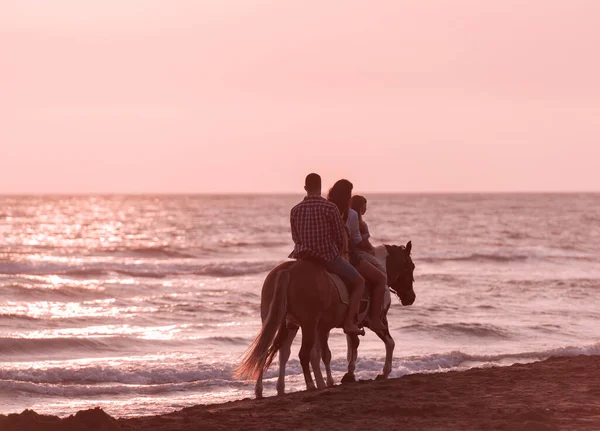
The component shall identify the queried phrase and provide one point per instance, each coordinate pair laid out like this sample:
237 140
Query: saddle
344 293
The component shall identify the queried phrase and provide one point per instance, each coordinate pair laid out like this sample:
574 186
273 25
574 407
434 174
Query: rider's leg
343 268
377 281
354 306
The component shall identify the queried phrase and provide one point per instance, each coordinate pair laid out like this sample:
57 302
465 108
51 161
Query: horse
301 294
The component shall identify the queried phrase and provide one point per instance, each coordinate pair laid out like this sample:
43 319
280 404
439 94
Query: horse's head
400 268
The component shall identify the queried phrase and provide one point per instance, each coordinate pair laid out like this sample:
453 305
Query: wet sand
556 394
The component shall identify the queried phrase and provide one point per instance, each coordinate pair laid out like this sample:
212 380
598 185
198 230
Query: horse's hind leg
284 354
326 355
315 364
258 387
309 332
353 343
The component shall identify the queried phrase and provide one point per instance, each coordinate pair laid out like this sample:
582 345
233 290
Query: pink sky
250 96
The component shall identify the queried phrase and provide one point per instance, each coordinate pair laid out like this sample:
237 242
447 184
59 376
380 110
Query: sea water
144 304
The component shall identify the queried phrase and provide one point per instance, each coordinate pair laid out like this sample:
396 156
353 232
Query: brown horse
300 294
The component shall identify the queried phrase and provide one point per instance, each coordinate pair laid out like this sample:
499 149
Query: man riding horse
320 235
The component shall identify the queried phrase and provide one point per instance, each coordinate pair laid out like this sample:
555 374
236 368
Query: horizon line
260 193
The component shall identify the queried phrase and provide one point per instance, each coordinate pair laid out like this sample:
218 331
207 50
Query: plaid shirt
317 229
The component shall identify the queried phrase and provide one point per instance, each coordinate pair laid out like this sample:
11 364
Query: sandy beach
556 394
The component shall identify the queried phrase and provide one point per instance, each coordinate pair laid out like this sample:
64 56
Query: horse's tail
261 352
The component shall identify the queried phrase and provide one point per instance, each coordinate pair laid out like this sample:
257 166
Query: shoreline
555 394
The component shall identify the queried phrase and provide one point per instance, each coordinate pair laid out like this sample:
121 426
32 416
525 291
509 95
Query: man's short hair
313 182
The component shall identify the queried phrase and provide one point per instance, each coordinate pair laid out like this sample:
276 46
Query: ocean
144 304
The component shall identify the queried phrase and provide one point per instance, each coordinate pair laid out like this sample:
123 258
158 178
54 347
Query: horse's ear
408 246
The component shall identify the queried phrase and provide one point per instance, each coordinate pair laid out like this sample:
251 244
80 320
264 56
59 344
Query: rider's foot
377 325
351 329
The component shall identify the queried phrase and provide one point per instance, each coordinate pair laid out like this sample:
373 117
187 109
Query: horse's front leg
353 342
389 351
284 355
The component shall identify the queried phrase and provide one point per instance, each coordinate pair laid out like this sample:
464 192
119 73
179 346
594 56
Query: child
363 258
359 204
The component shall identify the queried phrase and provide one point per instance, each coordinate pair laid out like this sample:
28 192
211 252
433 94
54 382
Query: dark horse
301 294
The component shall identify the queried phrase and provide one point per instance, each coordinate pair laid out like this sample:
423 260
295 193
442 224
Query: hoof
348 378
381 377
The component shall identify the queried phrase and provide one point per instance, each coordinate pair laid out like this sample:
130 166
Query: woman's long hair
356 203
340 195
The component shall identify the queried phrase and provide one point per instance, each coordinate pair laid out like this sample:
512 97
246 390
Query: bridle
405 272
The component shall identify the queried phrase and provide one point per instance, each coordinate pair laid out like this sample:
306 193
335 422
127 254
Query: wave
13 317
99 380
155 252
107 389
449 361
506 257
162 252
460 360
110 374
255 244
232 269
44 345
215 269
25 291
461 329
18 347
141 378
229 340
475 257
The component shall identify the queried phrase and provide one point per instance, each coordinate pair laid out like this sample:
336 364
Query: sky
249 96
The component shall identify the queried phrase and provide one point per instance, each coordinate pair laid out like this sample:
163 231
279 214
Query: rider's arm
295 236
365 244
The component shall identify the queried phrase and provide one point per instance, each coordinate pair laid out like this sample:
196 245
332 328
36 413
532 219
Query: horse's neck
381 255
